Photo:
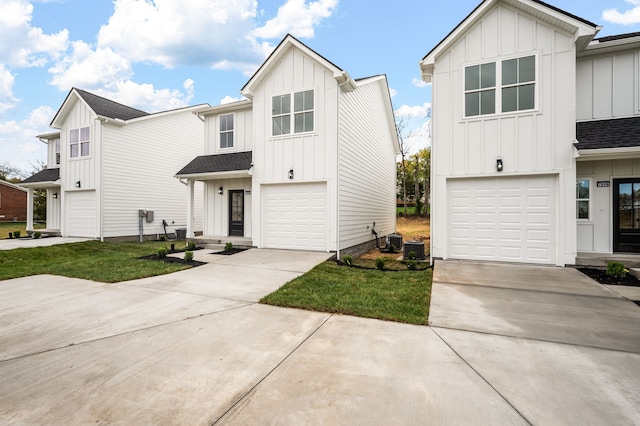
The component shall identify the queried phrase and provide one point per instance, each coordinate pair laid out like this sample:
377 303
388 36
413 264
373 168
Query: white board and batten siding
367 164
216 212
533 142
242 132
312 156
139 162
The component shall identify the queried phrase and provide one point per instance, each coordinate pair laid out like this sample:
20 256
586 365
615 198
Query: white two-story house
535 151
110 169
307 161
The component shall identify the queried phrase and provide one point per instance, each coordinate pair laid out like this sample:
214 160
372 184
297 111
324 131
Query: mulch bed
229 252
192 263
601 276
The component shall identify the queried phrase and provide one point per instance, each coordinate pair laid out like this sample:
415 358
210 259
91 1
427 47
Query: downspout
99 188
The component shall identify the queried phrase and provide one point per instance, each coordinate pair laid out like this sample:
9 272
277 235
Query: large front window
583 196
302 111
226 131
79 142
517 79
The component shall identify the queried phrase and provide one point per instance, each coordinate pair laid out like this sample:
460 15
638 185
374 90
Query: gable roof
101 106
584 30
11 185
603 134
233 162
46 175
342 77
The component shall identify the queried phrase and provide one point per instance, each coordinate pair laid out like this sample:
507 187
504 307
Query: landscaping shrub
191 245
412 256
37 235
347 260
228 246
188 255
162 252
616 270
162 238
411 265
380 263
16 234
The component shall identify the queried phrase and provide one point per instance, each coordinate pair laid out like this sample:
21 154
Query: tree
39 195
402 123
11 173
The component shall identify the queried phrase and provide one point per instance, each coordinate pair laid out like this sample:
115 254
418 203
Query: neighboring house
512 179
108 162
307 161
13 202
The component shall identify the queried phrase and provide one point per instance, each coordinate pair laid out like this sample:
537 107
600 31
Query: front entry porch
601 259
214 242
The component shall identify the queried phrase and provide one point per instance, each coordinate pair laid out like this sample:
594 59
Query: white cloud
629 17
298 18
419 83
230 99
170 33
22 44
393 92
7 80
416 111
18 142
87 68
146 97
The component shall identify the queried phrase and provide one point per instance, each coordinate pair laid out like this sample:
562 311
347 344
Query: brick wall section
13 203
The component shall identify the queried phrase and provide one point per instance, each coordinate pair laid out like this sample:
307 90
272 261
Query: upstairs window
514 80
302 111
56 148
583 197
79 142
226 131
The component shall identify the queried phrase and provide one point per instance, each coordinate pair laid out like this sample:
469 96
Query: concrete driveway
194 348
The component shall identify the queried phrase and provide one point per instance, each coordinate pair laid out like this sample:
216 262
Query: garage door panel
294 216
81 214
505 219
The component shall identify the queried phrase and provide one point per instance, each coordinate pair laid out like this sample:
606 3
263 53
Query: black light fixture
220 190
55 195
290 173
499 165
78 184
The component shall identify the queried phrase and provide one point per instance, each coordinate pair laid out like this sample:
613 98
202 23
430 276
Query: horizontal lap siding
367 171
139 162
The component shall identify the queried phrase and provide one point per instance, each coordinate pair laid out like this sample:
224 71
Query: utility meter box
149 216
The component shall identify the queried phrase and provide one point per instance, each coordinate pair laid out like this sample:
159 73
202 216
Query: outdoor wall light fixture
291 174
499 165
55 195
220 190
78 184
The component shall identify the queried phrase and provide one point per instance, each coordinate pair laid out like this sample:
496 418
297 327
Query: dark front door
626 215
236 213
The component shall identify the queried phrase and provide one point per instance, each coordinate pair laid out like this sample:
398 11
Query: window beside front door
583 198
226 131
79 142
301 113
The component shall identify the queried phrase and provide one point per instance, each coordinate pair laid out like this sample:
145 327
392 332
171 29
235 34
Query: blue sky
165 54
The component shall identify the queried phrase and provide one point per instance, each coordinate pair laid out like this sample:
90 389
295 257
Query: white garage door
294 216
81 214
510 219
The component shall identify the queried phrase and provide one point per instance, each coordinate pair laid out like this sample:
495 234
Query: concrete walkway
194 348
10 244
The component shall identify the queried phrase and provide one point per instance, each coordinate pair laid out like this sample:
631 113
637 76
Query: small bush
412 255
228 246
16 234
188 255
37 235
162 252
411 265
162 238
380 263
616 270
392 249
347 260
191 246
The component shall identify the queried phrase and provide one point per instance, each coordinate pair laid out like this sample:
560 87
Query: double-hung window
226 131
583 198
301 113
79 142
56 148
502 86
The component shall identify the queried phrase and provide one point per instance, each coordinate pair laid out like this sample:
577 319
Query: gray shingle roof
236 161
46 175
109 108
616 133
617 37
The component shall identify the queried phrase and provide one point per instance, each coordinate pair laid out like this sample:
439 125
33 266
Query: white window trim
590 199
498 87
233 130
292 114
79 143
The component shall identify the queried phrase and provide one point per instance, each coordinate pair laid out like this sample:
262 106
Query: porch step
218 243
46 233
601 259
635 272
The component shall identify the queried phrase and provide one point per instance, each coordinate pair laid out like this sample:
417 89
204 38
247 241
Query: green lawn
401 296
6 227
93 260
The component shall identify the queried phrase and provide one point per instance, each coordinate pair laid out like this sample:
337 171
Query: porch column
29 209
190 213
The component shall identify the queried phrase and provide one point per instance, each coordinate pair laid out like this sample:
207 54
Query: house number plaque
603 184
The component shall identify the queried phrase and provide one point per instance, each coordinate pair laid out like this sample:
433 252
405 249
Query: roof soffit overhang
603 48
66 106
583 31
242 105
607 153
343 78
232 174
